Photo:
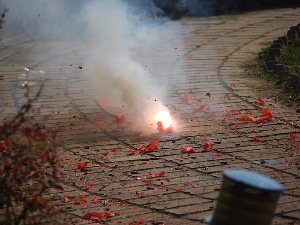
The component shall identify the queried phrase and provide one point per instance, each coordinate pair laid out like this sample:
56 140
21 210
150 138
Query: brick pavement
211 57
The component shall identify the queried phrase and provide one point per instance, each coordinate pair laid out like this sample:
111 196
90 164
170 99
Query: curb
275 51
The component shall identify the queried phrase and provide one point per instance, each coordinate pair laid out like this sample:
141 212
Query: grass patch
290 57
263 70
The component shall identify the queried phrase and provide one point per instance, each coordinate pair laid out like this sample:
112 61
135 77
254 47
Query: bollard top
252 179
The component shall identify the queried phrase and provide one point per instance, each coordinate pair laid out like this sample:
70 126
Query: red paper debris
108 214
199 108
100 117
178 190
81 201
119 118
81 166
162 130
280 173
188 150
153 145
260 101
137 221
114 150
186 98
296 149
255 139
142 194
207 146
90 215
88 186
178 168
94 200
267 116
103 165
154 175
66 199
292 136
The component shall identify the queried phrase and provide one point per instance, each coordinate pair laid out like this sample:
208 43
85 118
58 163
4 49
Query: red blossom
188 150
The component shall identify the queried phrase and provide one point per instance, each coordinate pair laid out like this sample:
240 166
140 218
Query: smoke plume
118 31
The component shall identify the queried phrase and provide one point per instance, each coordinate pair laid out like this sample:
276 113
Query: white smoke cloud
118 31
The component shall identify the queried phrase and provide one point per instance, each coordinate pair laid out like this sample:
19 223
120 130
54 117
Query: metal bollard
246 198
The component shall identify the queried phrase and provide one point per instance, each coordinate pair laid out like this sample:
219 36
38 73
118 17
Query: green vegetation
290 57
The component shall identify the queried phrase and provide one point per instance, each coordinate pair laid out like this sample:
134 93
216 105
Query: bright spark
165 118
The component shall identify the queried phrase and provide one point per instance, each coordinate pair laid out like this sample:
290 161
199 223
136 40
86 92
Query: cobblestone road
212 67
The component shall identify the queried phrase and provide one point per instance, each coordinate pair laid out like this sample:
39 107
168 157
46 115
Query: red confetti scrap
144 148
260 101
292 136
90 215
188 150
186 98
114 150
199 108
280 173
163 130
15 166
94 200
230 124
175 48
100 117
154 175
88 186
161 187
207 146
267 116
142 194
149 183
178 168
153 145
66 199
81 201
137 221
178 190
81 166
296 149
103 165
256 139
119 118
